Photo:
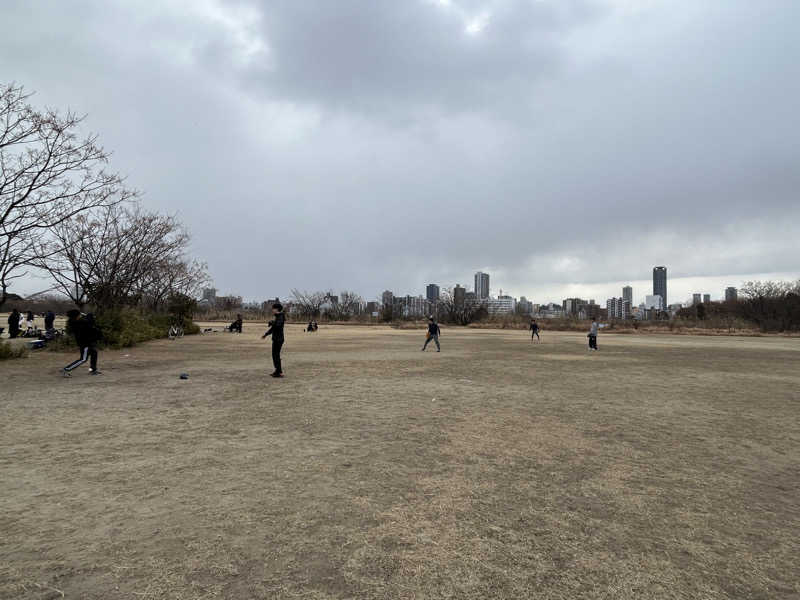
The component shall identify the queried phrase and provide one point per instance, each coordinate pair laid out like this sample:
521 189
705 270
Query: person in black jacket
49 319
86 335
276 331
433 334
13 323
535 330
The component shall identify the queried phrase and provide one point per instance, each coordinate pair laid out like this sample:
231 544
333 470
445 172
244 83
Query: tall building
731 294
387 298
627 294
618 308
697 299
459 296
660 283
432 292
210 295
481 285
706 298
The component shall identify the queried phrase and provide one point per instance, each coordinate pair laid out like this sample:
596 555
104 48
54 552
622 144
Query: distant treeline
770 306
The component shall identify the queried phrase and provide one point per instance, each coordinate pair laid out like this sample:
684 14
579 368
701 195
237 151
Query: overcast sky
563 146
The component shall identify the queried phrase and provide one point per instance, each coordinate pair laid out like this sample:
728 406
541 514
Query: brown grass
659 467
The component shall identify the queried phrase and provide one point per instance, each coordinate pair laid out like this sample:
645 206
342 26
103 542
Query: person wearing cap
276 331
433 334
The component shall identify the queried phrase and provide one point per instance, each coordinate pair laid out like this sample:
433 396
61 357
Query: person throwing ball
276 331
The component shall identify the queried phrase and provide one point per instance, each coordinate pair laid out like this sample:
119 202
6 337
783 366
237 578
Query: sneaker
95 372
276 375
65 373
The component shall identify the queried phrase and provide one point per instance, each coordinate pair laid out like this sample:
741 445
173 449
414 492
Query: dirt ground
659 467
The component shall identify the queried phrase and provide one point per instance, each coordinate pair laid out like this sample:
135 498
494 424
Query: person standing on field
535 330
13 324
276 331
592 335
49 319
433 334
86 334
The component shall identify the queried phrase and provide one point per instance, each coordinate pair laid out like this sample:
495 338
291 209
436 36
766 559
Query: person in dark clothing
13 323
49 319
86 334
433 334
592 335
276 331
535 330
237 324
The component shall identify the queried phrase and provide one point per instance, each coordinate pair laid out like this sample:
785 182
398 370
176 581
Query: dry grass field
659 467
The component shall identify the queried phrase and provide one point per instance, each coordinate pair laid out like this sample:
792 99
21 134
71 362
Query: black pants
593 342
13 332
276 355
87 353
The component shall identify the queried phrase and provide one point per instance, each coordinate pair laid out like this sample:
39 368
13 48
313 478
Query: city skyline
686 287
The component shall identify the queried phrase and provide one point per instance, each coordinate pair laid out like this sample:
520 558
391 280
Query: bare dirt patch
659 467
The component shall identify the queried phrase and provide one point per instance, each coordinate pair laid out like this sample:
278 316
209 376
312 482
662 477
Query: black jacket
86 332
433 329
276 328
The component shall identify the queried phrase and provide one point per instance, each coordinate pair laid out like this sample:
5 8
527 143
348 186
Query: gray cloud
385 144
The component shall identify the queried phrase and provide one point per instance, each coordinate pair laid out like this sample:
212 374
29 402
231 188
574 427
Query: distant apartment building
524 306
627 294
653 302
209 295
550 311
502 305
412 306
229 302
696 299
706 298
618 308
432 292
660 283
373 307
731 294
459 294
573 306
481 285
387 298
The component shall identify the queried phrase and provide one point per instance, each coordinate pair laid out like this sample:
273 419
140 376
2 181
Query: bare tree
460 313
120 257
308 303
349 305
16 253
48 174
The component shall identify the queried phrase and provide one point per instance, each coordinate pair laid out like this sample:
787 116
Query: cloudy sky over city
564 146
